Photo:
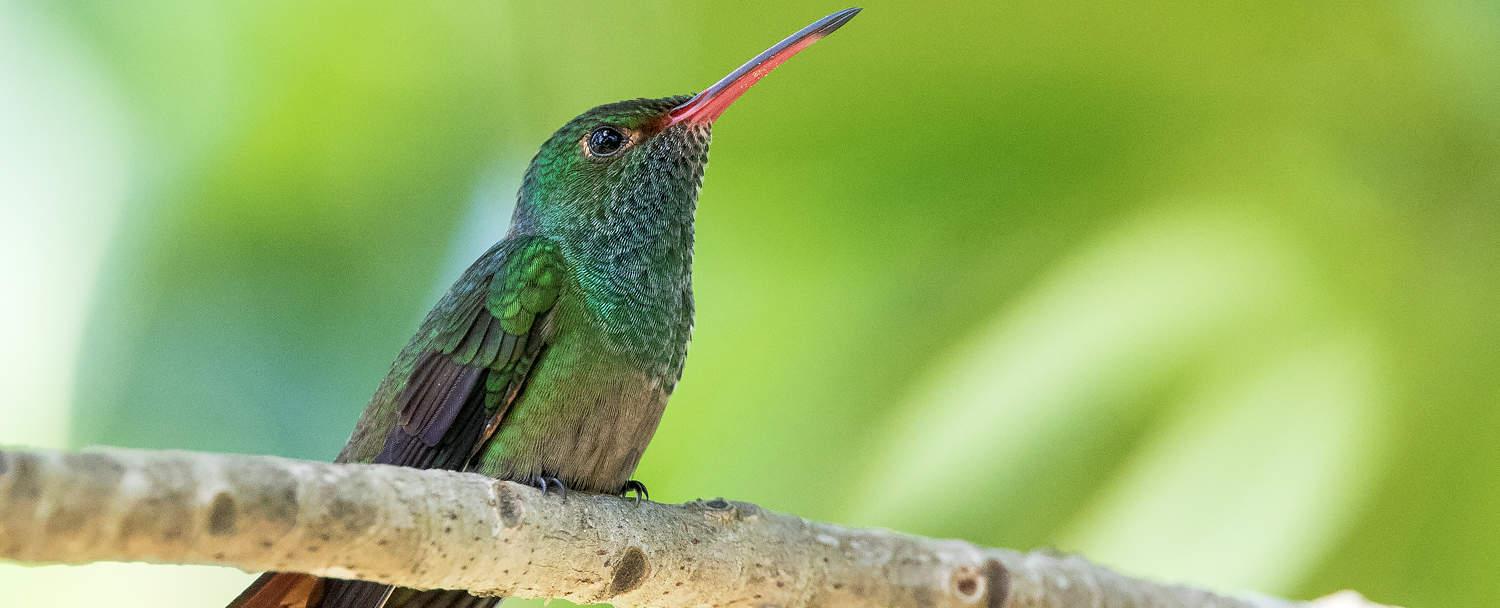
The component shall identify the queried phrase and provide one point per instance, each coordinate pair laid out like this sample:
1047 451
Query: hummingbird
550 360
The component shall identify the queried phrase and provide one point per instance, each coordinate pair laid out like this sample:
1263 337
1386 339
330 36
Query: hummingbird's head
619 161
607 161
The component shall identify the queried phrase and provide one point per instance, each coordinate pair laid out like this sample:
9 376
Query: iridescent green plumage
553 356
587 304
551 359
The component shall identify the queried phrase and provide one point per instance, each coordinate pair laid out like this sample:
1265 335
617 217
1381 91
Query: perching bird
551 359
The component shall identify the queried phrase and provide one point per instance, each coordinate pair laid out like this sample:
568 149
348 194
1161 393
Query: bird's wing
478 354
447 391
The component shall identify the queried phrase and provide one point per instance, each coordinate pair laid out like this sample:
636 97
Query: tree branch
438 529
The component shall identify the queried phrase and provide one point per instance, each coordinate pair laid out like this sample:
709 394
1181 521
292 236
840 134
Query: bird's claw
544 483
638 489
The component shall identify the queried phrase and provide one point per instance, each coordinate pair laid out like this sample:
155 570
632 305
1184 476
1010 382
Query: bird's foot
545 482
638 489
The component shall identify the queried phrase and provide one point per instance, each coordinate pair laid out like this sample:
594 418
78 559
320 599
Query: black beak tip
837 20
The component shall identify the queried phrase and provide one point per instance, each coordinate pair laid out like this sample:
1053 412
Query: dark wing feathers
473 365
430 406
365 593
477 363
468 349
451 451
429 380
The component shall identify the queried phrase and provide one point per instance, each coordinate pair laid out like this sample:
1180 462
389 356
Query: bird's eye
606 141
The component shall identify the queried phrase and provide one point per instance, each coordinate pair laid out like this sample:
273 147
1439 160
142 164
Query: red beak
708 105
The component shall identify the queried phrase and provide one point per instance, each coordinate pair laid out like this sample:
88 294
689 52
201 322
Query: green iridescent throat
625 224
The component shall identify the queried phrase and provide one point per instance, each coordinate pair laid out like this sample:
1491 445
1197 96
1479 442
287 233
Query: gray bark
438 529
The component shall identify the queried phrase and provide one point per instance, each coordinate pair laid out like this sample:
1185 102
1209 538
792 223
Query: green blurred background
1207 292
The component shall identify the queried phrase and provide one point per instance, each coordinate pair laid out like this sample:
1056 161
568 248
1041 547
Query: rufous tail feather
281 590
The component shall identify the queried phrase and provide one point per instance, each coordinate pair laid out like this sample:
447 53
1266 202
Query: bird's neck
635 268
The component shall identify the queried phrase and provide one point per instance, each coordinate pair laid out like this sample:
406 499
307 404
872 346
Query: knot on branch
629 572
996 588
725 511
222 515
505 502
